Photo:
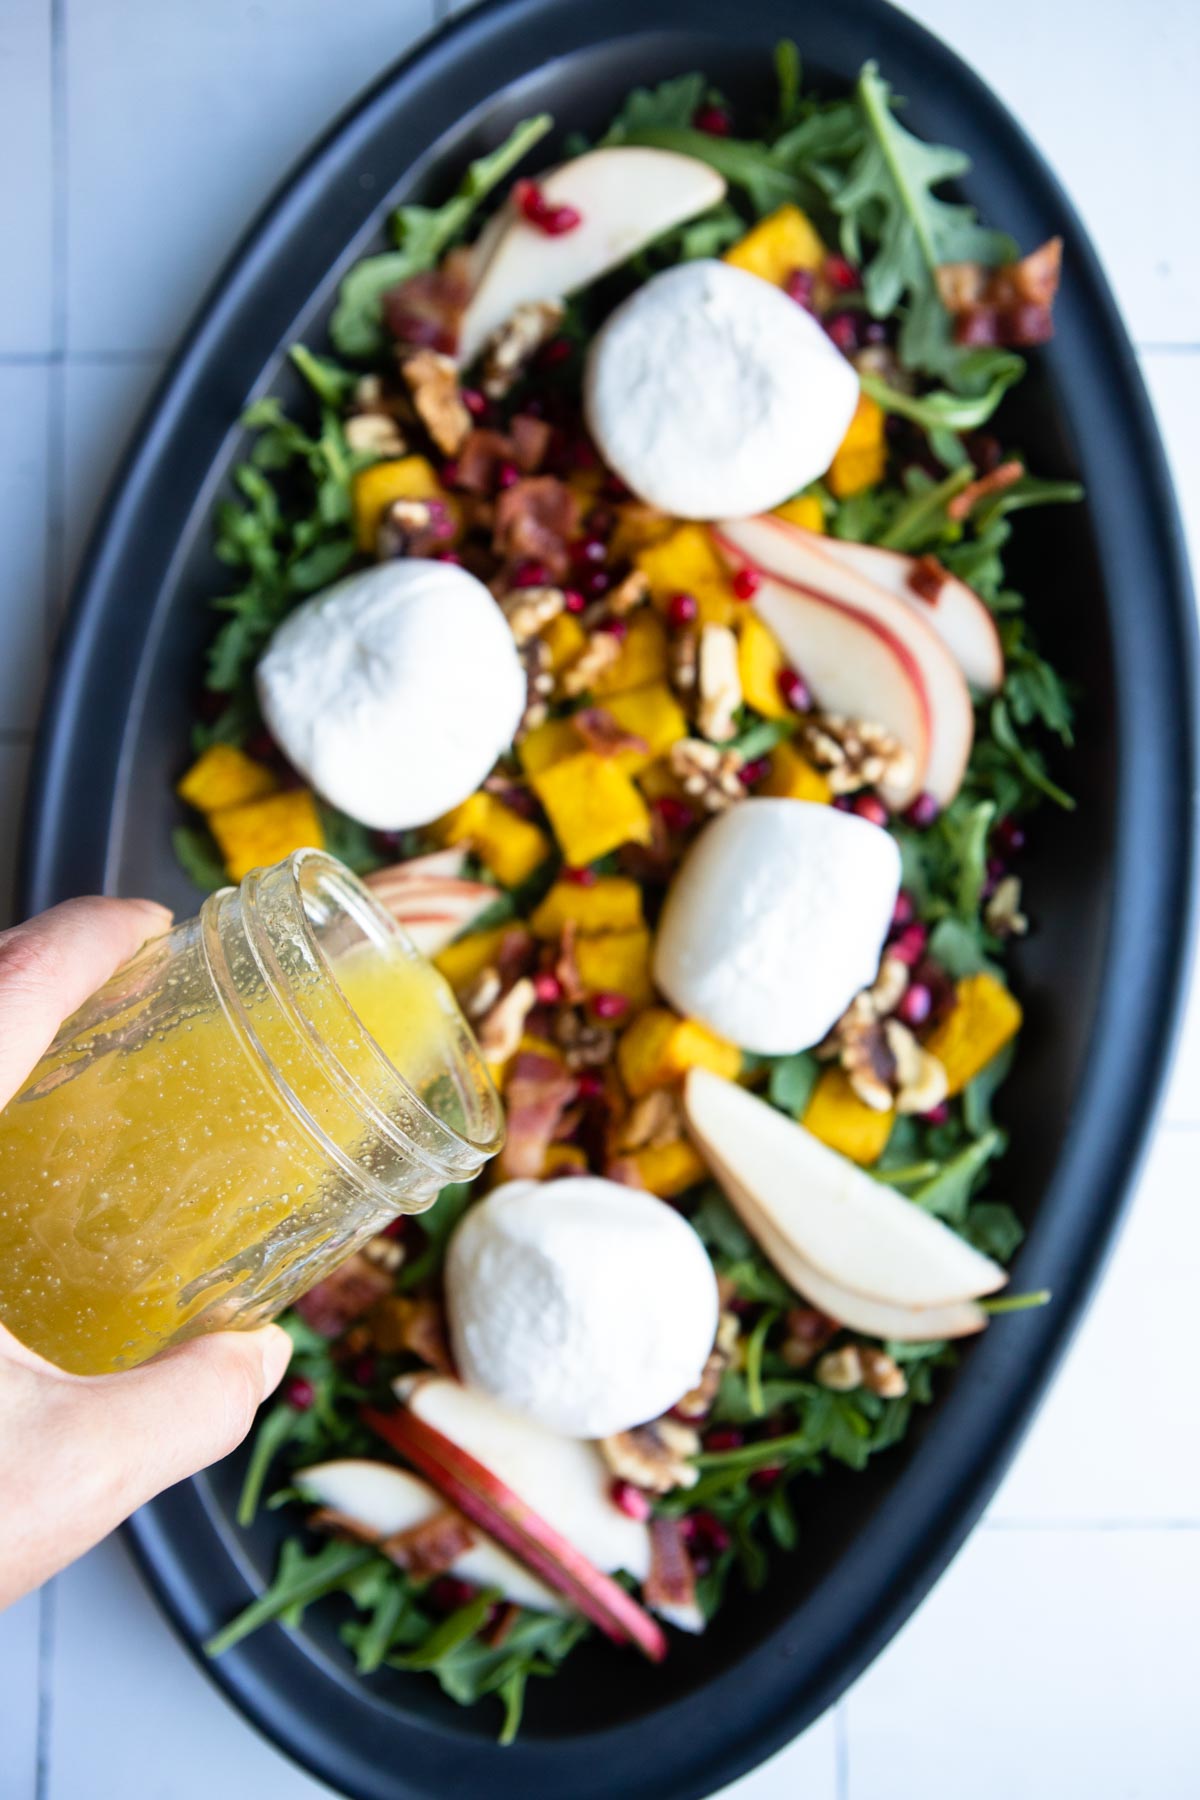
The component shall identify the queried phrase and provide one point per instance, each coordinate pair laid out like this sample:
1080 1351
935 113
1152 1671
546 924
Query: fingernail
276 1355
162 915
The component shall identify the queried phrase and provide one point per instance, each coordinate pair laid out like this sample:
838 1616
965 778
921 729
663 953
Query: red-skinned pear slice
433 909
626 195
858 1233
382 1500
478 1493
790 557
955 611
853 663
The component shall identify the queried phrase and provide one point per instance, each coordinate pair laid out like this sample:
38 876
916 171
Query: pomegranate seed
475 402
763 1480
799 287
616 628
542 213
923 812
560 220
725 1437
395 1228
793 690
600 522
555 351
845 329
683 609
712 119
746 584
449 474
530 574
841 274
365 1370
547 989
1009 837
589 550
916 1004
448 1593
614 488
609 1005
584 877
507 475
704 1532
630 1500
390 840
573 600
909 946
937 1115
583 454
676 815
843 803
904 911
589 1085
596 583
299 1393
449 556
871 808
752 772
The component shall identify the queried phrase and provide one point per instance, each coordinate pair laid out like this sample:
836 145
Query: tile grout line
56 474
47 1620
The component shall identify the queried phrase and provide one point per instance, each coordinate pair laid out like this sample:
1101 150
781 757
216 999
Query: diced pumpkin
637 525
651 713
658 780
592 805
791 777
985 1017
659 1048
760 664
612 903
778 245
224 776
860 458
669 1169
467 958
805 510
847 1124
688 562
617 962
399 478
511 847
564 1159
642 659
264 831
564 638
547 744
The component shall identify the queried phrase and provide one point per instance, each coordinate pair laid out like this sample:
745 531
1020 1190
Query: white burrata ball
588 1306
775 921
713 395
394 691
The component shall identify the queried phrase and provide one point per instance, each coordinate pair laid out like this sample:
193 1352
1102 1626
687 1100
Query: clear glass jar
240 1107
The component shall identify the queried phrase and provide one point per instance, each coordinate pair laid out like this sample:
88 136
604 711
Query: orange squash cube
861 456
592 805
984 1019
669 1169
659 1048
260 832
778 245
612 903
847 1124
399 478
224 776
511 847
689 562
791 776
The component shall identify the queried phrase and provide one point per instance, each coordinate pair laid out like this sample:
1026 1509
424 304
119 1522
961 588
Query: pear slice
859 1234
626 195
381 1500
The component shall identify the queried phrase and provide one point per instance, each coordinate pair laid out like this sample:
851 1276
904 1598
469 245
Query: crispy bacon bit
431 1547
601 732
539 1091
499 1631
400 1323
432 380
427 309
927 578
530 439
964 504
670 1588
1011 305
345 1295
480 459
566 967
537 517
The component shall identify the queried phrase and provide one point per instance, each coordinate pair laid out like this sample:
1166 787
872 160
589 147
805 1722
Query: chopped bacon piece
625 1170
963 504
345 1295
530 441
427 309
498 1632
1011 305
601 732
927 578
566 968
399 1323
537 517
480 459
431 1547
670 1587
538 1092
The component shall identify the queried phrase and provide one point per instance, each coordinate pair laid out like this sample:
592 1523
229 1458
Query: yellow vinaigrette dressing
251 1097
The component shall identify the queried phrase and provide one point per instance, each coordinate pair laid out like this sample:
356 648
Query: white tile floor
1056 1658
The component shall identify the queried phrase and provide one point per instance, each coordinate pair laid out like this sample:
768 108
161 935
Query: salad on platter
627 603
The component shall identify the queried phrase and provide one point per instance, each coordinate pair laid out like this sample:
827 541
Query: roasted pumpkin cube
592 805
638 524
689 562
264 831
547 744
617 962
651 713
791 776
612 903
564 638
399 478
861 456
466 959
985 1017
658 780
778 245
564 1159
669 1169
805 510
760 663
511 847
847 1124
642 657
659 1047
224 776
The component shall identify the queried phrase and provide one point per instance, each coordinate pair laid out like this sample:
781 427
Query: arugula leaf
921 520
979 1094
941 410
421 234
792 1081
957 944
994 1229
349 840
437 1223
1029 762
329 381
300 1579
787 74
948 1195
747 165
454 1630
719 1228
198 856
671 105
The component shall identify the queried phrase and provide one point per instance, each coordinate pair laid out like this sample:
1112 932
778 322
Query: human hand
79 1454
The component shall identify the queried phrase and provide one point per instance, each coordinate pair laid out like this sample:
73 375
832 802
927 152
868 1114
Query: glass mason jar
244 1103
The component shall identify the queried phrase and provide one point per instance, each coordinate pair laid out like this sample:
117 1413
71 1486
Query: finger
52 964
